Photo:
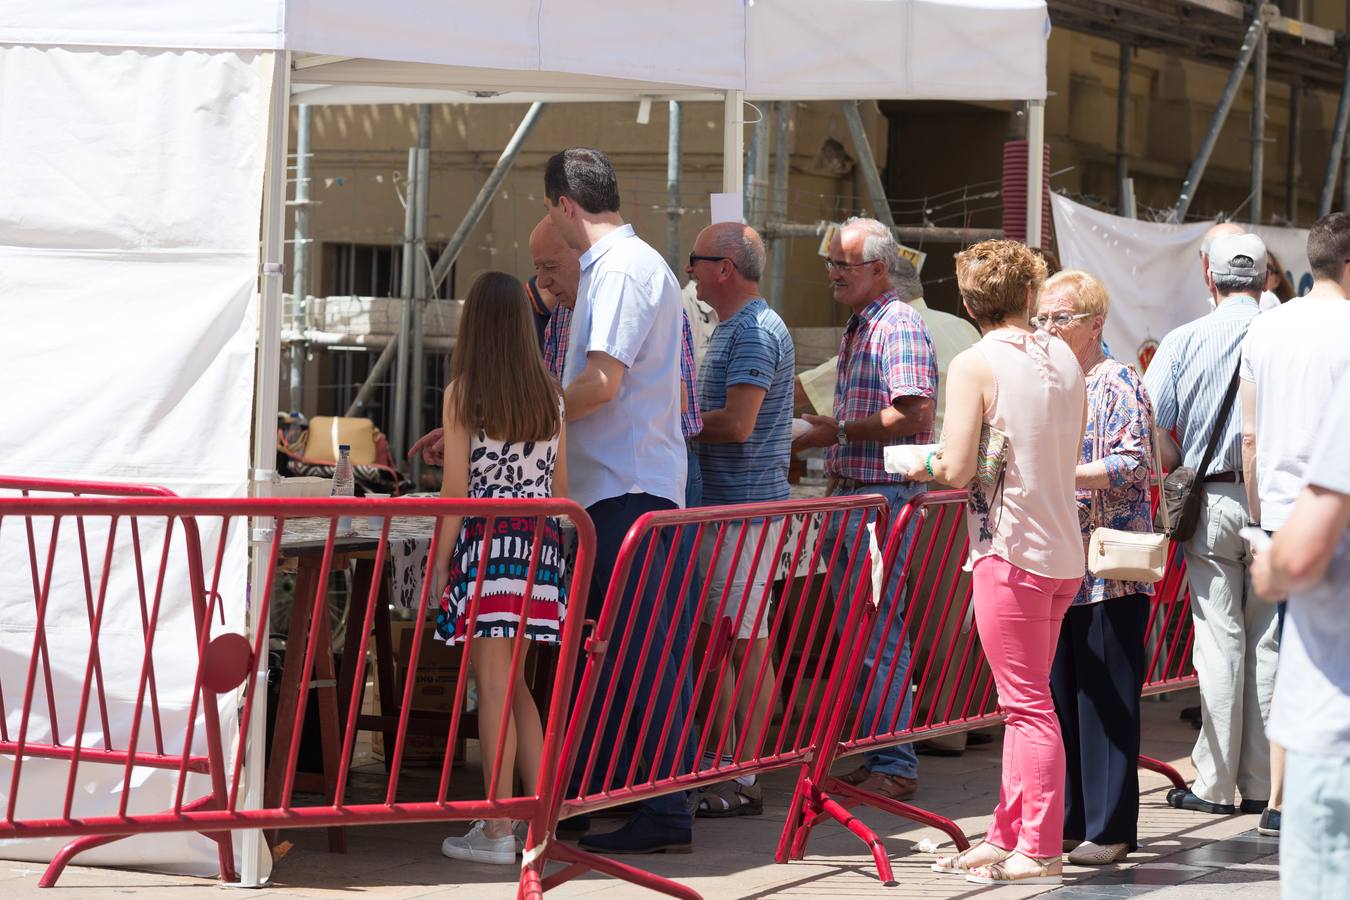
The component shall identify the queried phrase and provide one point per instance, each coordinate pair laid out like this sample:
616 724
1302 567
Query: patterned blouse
1118 433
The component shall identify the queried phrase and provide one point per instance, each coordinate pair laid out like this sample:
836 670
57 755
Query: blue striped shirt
752 347
1189 375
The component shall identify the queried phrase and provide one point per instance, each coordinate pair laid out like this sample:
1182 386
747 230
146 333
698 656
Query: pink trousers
1018 616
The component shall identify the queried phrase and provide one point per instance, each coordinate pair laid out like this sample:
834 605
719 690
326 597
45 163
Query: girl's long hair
497 377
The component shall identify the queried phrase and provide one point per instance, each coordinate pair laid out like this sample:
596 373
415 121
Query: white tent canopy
142 142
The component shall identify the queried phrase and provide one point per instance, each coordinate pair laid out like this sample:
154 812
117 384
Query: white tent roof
772 49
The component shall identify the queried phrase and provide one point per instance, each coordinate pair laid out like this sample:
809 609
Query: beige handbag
1130 555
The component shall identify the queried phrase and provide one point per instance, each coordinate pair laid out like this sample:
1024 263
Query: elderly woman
1026 549
1099 665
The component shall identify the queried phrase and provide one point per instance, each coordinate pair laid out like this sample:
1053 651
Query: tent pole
674 151
1293 168
299 255
881 205
417 350
1258 127
266 394
485 195
733 144
1035 171
1230 92
1337 144
398 344
778 250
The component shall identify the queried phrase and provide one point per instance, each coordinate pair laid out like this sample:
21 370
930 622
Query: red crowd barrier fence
696 673
176 726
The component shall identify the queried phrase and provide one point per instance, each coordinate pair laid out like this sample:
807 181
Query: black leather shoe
640 835
574 827
1252 807
1179 799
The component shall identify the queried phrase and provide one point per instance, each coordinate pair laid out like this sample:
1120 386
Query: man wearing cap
1236 647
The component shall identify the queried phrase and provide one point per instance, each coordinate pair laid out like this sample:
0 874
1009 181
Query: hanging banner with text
1152 271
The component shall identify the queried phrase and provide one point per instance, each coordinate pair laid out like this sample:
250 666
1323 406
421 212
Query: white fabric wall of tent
142 156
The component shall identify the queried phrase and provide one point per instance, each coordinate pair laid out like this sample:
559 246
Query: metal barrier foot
582 860
841 815
1162 768
908 811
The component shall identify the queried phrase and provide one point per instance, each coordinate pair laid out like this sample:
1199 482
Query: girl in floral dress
504 437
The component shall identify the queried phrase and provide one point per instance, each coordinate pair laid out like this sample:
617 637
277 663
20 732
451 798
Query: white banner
1152 271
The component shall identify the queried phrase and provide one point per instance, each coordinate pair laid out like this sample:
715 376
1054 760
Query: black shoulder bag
1183 488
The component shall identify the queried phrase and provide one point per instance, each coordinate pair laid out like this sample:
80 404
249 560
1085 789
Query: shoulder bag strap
1220 421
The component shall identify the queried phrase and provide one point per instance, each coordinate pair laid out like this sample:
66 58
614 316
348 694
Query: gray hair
905 279
878 242
745 252
1239 284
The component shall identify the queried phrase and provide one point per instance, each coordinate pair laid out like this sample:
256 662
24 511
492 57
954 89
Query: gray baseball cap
1243 255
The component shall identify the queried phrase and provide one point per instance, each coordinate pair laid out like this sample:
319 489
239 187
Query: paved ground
1185 856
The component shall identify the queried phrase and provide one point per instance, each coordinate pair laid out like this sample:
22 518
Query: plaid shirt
886 354
559 331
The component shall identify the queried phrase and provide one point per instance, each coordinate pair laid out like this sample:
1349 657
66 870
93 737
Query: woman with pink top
1026 550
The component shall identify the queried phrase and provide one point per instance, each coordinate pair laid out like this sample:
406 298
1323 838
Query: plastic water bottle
344 484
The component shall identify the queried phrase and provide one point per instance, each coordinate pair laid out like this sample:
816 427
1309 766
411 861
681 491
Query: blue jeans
657 685
1315 827
888 645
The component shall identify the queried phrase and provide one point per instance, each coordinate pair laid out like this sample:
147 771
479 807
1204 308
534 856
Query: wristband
928 464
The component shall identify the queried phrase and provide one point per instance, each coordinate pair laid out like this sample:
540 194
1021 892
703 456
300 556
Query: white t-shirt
1296 354
629 307
1311 709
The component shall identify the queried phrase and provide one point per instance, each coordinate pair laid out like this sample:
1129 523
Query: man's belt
1223 478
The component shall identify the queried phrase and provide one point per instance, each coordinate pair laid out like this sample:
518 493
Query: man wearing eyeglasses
884 395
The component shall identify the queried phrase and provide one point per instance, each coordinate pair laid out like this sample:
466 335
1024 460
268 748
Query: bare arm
560 467
1303 548
904 417
1247 391
597 385
454 483
970 391
735 422
1168 449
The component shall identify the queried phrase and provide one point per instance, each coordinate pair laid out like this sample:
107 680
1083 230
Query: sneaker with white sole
476 846
1090 854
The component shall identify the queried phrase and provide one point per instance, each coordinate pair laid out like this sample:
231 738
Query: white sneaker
476 846
1090 854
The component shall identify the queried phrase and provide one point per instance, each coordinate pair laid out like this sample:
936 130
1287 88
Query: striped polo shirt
752 347
1189 375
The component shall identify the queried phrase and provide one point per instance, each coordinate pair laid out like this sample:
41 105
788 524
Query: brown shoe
894 787
857 776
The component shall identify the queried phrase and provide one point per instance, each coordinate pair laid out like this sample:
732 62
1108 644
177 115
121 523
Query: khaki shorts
757 574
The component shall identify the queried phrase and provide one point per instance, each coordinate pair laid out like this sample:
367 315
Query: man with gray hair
745 394
884 393
1266 301
1193 381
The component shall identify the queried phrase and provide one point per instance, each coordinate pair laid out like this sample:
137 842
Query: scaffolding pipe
1337 144
485 196
903 233
867 163
417 386
1258 126
1293 167
757 171
397 348
1123 128
674 151
778 249
300 253
1230 92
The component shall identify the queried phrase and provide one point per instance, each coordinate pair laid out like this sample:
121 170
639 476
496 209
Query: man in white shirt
626 457
1292 359
1309 560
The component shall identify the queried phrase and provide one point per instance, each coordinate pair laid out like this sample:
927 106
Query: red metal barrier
953 689
711 723
166 550
28 486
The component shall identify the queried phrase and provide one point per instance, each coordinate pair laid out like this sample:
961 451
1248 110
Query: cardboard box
438 667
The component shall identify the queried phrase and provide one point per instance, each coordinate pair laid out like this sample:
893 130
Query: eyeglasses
832 264
1059 320
694 257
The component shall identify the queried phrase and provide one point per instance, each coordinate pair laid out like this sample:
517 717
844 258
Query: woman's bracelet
928 464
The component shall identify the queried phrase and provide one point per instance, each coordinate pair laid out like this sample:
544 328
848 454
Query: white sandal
999 874
961 863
